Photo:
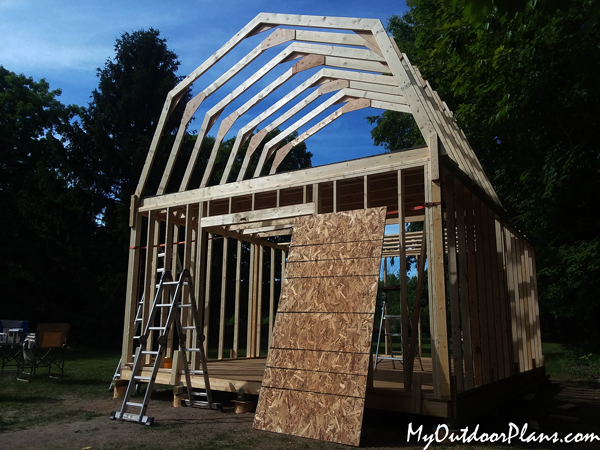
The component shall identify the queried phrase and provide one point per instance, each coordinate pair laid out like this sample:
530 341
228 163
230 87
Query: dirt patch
191 428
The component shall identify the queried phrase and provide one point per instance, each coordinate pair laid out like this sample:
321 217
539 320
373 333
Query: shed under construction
316 293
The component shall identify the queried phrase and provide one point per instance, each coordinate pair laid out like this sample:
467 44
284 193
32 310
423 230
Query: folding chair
46 350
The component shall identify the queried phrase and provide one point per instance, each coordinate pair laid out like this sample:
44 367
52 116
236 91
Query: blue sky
66 41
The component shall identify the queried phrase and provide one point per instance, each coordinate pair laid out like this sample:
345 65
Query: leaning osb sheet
312 415
330 294
321 382
342 250
333 268
316 375
324 331
334 362
347 226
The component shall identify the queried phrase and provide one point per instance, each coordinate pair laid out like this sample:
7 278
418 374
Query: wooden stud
236 314
481 292
493 294
464 286
200 277
272 293
132 290
249 347
511 295
207 291
317 198
437 290
453 281
223 298
259 299
489 291
408 365
521 335
504 303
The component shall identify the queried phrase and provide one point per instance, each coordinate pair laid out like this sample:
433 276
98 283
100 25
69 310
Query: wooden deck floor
231 375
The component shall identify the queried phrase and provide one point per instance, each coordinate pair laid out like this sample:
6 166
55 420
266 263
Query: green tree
47 230
110 143
524 89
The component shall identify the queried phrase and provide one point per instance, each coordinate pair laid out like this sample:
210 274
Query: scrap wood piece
316 373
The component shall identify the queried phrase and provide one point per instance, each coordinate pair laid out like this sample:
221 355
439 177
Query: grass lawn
87 377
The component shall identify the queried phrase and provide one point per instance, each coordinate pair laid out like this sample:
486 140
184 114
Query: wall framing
484 320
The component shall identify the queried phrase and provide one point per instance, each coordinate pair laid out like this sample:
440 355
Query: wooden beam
349 169
223 298
271 295
132 290
408 364
453 282
257 216
224 232
465 288
435 246
236 314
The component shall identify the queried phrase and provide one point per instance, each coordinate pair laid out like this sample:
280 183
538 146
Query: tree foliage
66 177
46 227
523 87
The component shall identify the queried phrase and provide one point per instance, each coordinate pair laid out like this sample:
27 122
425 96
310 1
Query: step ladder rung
390 358
198 399
139 405
161 255
389 316
394 334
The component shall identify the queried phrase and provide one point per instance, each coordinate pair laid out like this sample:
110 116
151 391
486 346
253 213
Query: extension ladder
174 290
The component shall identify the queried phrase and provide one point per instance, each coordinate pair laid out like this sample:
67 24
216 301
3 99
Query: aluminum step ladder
139 316
173 290
384 325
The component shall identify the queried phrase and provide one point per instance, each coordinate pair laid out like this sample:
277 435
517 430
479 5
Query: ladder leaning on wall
173 301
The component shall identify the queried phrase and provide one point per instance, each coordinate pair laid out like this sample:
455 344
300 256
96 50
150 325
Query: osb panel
321 382
330 294
316 375
312 415
324 331
334 362
342 250
346 226
333 268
